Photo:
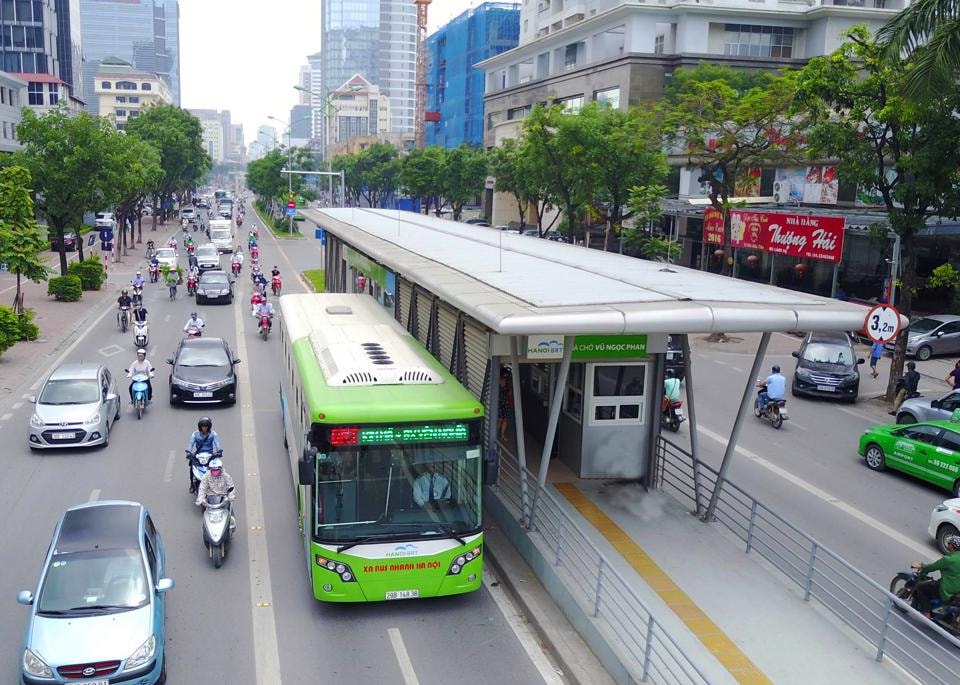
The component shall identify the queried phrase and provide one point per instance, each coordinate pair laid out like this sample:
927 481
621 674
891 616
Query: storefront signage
544 346
367 267
713 226
794 235
609 346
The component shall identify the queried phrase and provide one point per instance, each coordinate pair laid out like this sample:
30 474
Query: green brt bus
385 446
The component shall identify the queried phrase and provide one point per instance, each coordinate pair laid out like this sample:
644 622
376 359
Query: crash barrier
922 649
641 643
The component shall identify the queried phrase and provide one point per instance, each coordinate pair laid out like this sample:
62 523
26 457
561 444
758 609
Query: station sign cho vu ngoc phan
794 235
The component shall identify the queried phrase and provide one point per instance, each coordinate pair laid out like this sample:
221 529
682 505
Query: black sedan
203 372
215 286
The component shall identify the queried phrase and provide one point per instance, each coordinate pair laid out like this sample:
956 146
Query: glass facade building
69 51
376 39
145 33
454 85
28 37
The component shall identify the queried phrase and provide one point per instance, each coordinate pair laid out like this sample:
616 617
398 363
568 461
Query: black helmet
911 365
671 373
776 368
205 421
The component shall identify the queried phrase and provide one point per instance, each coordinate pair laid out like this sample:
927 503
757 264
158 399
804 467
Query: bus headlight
341 569
462 560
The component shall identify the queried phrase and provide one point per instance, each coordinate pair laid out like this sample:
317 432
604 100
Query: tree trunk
79 245
62 250
906 309
18 298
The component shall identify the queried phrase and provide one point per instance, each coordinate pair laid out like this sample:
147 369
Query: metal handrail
643 645
919 647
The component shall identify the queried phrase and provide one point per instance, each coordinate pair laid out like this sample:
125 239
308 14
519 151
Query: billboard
713 226
793 235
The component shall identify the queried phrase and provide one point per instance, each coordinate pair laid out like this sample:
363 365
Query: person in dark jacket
906 387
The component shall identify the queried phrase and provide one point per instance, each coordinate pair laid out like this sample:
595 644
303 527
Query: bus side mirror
306 468
491 469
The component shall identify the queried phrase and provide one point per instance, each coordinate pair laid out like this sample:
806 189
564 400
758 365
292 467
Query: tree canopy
21 244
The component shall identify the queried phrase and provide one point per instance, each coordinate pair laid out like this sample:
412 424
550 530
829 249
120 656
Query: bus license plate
64 436
403 594
826 388
203 394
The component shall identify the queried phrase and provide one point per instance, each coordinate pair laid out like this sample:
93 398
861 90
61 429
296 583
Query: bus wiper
366 538
449 531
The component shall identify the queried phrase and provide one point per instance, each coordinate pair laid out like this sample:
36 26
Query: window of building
571 105
126 85
13 130
25 11
617 396
134 113
518 112
609 96
106 85
658 44
494 118
134 99
121 112
121 98
3 96
19 37
4 130
570 56
145 86
747 40
11 61
53 93
35 93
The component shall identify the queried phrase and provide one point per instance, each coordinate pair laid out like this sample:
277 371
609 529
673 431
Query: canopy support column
518 425
737 425
554 419
692 412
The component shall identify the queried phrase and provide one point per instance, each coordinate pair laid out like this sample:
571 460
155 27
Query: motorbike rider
275 272
124 301
142 365
137 281
906 387
949 583
216 481
265 308
140 314
172 242
204 439
773 387
671 389
193 322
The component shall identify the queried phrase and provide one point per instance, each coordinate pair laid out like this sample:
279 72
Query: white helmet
142 351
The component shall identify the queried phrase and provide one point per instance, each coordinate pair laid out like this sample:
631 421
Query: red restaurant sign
794 235
713 226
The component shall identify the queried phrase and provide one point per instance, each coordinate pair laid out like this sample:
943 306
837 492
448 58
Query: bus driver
430 486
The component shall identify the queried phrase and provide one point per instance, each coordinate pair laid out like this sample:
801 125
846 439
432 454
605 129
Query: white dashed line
168 472
94 495
400 649
16 405
5 417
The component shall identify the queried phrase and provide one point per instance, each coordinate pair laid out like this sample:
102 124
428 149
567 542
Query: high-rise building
315 85
359 108
378 40
69 47
454 84
220 140
236 150
267 138
30 38
145 33
124 91
301 129
303 80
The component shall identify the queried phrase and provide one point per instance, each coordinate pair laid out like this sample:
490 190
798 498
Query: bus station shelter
584 332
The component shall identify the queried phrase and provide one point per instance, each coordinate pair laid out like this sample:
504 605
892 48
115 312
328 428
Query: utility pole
420 109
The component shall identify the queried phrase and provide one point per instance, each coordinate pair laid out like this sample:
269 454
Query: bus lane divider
265 647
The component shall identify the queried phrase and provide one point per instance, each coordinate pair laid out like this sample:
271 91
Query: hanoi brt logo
407 550
544 347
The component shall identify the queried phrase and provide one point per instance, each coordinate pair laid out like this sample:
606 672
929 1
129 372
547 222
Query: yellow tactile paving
722 647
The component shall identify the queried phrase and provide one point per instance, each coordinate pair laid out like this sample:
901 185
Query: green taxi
929 450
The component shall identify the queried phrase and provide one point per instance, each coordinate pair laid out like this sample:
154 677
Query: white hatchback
168 256
944 521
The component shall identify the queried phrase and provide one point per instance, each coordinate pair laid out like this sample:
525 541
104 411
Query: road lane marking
166 318
94 495
522 630
16 405
866 417
5 417
400 650
168 472
823 495
266 652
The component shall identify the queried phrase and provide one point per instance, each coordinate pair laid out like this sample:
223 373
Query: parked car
929 451
929 409
937 334
168 256
531 232
76 407
477 222
203 372
216 286
69 242
944 522
827 366
98 614
208 257
557 236
188 213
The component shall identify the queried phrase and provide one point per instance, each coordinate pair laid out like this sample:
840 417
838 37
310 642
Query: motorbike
194 332
672 415
264 327
239 221
235 268
191 248
218 526
154 273
123 319
198 466
275 285
944 614
139 393
255 253
151 249
191 285
775 411
137 296
141 334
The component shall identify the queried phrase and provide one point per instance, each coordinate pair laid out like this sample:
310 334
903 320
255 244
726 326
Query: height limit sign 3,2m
882 323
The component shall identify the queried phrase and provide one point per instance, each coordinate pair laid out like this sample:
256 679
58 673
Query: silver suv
76 407
937 334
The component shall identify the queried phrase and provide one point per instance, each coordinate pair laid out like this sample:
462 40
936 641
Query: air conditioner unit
779 196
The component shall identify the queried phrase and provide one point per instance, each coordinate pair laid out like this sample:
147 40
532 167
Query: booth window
617 396
573 397
540 380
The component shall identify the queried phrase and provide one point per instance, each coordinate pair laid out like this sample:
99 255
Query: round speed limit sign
882 324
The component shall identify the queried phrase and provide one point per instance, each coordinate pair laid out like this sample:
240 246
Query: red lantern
801 269
752 260
718 254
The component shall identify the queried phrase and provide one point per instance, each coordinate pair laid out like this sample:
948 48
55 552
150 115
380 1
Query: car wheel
943 532
924 353
106 436
163 672
793 389
876 461
906 417
956 488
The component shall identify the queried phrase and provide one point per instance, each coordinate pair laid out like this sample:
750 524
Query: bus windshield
394 491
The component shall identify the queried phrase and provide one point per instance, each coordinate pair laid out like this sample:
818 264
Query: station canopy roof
519 285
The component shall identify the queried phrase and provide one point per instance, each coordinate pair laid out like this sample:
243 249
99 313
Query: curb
577 661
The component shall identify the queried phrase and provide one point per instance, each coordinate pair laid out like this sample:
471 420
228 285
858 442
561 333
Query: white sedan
168 256
944 521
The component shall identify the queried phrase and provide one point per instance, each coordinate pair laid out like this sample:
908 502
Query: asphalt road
254 620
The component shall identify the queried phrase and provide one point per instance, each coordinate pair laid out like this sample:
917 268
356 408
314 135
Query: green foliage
90 272
653 247
28 329
21 243
464 173
264 177
741 80
506 165
10 331
317 279
944 276
421 175
928 33
370 174
65 288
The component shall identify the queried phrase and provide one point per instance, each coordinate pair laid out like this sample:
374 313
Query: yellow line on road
720 645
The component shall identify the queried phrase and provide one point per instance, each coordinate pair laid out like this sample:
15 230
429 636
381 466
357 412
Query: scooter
151 249
198 466
255 253
191 285
264 327
141 334
276 285
123 318
672 415
235 268
140 393
944 614
137 296
775 411
218 526
154 273
194 332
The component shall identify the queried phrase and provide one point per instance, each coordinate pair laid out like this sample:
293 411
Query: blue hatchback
98 615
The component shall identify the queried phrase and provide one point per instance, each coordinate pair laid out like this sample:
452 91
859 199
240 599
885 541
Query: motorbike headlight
92 420
143 654
34 665
216 516
36 421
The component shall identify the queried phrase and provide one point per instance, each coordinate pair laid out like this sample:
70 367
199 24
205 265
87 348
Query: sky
245 56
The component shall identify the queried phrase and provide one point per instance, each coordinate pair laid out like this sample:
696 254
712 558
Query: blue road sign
106 247
106 235
291 211
91 240
323 237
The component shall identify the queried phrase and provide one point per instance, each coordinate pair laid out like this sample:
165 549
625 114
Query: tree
265 180
351 178
421 175
645 208
852 105
726 131
506 166
66 156
21 243
928 33
464 174
134 167
377 172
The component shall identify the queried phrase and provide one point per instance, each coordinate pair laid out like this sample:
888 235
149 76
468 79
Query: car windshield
221 234
95 581
924 325
202 356
207 251
821 353
214 279
70 391
165 253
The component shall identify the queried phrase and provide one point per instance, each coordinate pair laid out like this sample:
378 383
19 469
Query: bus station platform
732 614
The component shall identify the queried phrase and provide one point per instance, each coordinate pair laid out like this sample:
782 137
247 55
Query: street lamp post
289 167
328 115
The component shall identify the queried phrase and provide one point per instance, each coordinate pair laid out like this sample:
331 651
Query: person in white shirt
142 365
430 486
193 322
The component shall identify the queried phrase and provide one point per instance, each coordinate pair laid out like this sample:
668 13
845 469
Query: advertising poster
713 226
821 185
788 184
793 235
748 183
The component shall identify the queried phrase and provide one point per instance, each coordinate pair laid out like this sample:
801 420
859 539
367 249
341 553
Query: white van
221 234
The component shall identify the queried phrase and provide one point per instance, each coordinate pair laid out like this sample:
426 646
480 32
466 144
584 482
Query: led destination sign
395 435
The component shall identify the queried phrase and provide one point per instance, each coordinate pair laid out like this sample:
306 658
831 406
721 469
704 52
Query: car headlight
940 507
143 654
852 376
36 421
219 384
34 665
225 291
92 420
185 384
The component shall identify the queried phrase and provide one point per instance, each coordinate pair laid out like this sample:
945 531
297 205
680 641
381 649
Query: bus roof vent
339 309
365 356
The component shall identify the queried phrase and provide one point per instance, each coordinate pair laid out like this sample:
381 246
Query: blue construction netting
454 85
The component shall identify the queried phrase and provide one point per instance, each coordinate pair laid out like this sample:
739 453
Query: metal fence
923 650
641 642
